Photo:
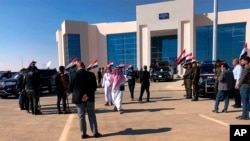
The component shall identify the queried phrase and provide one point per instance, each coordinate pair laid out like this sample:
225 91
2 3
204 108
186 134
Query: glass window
122 48
72 47
231 39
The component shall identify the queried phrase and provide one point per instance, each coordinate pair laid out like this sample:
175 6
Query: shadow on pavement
134 110
130 131
48 109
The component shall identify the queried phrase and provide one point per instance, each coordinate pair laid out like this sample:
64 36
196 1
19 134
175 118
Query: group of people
227 82
191 79
113 84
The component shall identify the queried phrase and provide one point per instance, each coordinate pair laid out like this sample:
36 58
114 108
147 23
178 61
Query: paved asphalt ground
168 117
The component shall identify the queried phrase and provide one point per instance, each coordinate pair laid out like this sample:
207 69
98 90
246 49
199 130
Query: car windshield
15 76
207 68
162 69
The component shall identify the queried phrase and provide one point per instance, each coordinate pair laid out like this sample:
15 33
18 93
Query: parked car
46 79
162 73
8 87
5 74
206 81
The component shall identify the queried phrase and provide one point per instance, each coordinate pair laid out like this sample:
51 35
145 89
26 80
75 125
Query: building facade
161 31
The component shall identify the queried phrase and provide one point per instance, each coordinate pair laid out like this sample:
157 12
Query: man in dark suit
83 86
144 79
225 87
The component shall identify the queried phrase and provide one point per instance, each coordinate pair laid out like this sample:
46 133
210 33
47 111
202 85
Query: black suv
206 81
46 78
8 86
164 73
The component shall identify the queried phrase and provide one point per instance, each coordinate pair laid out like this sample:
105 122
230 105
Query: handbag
122 87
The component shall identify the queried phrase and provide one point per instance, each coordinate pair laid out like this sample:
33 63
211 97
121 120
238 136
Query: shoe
97 135
120 112
215 111
22 108
59 112
237 106
148 100
224 111
115 109
242 118
28 111
194 99
85 136
106 104
132 99
139 100
111 103
64 112
233 105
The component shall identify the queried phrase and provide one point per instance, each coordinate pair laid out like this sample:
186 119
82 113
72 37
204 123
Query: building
161 31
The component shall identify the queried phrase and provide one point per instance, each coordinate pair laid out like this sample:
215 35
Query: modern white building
161 31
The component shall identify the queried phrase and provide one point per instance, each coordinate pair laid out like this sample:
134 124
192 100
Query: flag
128 66
122 65
189 57
72 63
181 58
32 63
110 64
92 65
244 51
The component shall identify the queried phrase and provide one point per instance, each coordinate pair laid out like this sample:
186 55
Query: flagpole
215 29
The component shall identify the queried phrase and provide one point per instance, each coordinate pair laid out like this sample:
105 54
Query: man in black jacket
83 86
32 85
144 79
61 81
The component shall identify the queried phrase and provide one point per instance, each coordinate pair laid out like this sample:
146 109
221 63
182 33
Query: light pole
215 29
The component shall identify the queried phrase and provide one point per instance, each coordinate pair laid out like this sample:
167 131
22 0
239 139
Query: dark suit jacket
83 82
226 80
145 78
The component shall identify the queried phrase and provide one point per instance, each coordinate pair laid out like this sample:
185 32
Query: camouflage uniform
188 82
195 81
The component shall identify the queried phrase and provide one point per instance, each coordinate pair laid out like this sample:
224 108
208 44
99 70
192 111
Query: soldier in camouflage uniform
188 81
195 80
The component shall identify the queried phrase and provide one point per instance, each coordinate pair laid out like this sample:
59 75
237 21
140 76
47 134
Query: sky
28 27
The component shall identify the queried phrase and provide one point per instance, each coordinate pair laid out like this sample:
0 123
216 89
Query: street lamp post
215 29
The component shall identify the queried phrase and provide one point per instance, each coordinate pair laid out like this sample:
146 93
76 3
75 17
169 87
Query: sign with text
163 16
239 132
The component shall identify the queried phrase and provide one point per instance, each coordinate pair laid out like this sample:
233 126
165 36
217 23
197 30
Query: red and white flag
92 65
244 51
128 66
181 58
72 63
110 64
122 65
189 57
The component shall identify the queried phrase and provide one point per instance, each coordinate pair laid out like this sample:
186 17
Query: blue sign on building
163 16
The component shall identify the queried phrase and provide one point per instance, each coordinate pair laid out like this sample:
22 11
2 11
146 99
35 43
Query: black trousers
61 96
131 86
143 88
237 97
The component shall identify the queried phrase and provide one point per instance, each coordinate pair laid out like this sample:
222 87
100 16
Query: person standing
23 99
83 87
131 76
145 84
117 81
188 76
237 72
225 87
216 75
32 85
244 86
62 83
106 85
99 77
195 80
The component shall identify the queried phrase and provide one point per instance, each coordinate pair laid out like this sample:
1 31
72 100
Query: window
231 39
72 47
121 48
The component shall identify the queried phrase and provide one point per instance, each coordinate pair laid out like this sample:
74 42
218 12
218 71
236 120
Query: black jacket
83 82
145 78
32 80
58 82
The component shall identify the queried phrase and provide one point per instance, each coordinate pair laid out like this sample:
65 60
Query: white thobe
107 88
